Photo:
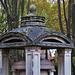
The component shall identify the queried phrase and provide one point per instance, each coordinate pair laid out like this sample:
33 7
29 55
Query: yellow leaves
50 11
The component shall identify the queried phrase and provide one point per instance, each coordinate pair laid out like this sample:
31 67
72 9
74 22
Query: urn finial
32 9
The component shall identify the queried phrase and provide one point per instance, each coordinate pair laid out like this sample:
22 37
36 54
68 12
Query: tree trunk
9 22
59 15
69 18
28 6
73 35
73 21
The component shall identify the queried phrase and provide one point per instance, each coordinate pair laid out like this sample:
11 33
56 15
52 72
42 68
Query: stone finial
32 19
32 9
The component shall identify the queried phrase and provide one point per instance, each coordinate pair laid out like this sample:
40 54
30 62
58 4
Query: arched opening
15 54
53 39
13 40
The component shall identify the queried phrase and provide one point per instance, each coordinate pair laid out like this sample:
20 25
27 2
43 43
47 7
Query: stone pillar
64 62
1 62
32 60
67 61
60 62
5 62
14 72
51 72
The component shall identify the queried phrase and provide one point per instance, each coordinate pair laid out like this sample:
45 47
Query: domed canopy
34 33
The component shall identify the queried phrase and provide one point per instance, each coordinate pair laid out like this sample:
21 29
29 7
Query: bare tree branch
15 7
59 14
19 7
12 7
65 13
3 4
6 7
69 18
73 22
28 6
22 7
9 6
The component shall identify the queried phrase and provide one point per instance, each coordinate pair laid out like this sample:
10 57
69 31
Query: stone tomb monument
46 67
33 36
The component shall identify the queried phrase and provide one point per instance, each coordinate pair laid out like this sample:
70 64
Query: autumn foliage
50 11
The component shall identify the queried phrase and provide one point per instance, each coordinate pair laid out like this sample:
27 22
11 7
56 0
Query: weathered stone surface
33 32
32 36
44 64
42 45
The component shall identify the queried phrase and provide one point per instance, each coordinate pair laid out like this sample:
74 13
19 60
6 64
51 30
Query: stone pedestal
32 60
51 72
14 72
64 62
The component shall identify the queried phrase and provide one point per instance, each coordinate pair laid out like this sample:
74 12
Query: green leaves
3 22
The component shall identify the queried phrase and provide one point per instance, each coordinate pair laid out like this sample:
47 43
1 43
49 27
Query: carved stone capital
32 49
